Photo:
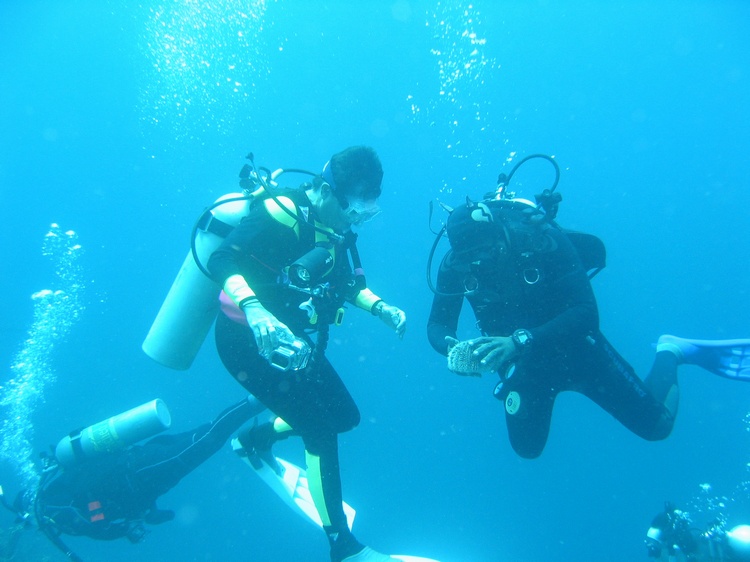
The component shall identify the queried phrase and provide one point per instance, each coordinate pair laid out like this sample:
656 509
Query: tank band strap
209 223
75 444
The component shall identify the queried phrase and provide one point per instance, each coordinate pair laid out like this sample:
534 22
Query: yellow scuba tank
192 303
115 433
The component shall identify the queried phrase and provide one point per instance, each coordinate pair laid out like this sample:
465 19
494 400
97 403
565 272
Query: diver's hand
393 317
267 329
494 352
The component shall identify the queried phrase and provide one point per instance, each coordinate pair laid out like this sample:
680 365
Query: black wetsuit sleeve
446 309
575 311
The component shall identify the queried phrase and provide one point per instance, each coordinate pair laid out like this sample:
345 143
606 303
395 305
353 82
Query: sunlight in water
205 61
456 105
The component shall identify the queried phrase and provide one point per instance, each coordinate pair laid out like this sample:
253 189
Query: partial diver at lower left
100 483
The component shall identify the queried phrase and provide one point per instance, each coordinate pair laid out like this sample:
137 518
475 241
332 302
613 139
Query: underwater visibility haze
123 120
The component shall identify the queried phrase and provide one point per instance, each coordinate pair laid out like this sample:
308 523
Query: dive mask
359 211
356 210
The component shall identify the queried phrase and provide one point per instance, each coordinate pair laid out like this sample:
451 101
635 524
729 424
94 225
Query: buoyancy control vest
191 305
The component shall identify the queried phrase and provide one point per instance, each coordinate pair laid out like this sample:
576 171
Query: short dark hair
357 172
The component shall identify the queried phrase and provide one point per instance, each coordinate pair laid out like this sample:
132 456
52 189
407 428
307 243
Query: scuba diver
101 484
672 537
286 274
671 532
527 281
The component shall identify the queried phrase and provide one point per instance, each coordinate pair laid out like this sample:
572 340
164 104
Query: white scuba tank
192 303
115 433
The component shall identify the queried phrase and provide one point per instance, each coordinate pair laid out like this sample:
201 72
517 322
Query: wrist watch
522 339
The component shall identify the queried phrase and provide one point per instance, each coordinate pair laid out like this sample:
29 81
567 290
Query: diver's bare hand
494 352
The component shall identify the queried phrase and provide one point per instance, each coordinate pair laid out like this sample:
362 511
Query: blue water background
123 120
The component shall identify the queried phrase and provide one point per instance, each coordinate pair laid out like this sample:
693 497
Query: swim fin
407 558
726 358
289 482
369 555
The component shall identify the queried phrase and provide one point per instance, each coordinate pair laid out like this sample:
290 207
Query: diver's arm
366 300
392 316
578 314
232 255
442 323
253 252
580 319
230 260
445 311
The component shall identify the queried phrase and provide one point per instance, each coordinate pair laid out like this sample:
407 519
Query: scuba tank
115 433
192 303
191 306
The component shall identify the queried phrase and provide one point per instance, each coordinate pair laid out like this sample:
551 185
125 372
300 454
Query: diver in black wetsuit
286 274
113 495
530 293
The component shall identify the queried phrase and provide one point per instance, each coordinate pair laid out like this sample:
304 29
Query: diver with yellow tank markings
286 275
103 481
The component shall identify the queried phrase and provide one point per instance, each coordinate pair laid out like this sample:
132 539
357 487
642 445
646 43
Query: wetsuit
112 496
314 402
538 283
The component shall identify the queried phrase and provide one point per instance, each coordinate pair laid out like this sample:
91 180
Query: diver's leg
324 414
166 459
323 477
647 408
528 403
324 481
312 404
303 399
662 381
258 440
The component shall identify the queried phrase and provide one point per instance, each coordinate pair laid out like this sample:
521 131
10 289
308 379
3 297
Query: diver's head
354 177
472 231
355 172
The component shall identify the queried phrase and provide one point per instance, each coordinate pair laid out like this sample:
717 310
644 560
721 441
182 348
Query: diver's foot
368 555
256 443
727 358
680 347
